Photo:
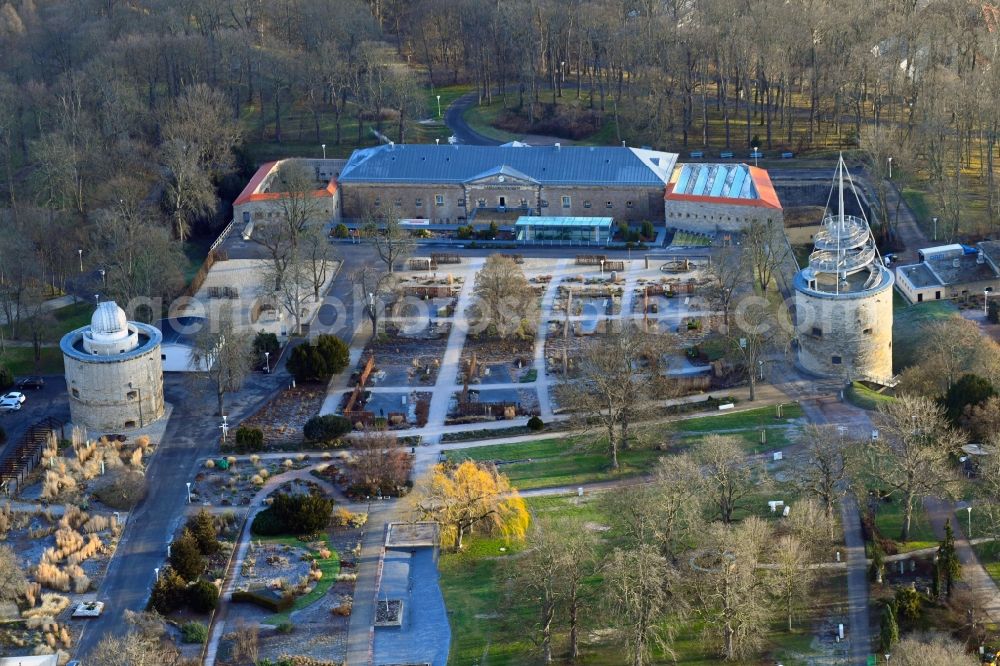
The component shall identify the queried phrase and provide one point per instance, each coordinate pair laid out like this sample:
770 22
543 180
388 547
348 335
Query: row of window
567 202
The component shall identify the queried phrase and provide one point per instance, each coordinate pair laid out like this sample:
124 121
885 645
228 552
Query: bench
756 154
726 155
697 153
787 155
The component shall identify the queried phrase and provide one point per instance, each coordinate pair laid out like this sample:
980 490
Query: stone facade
455 203
117 390
712 217
848 336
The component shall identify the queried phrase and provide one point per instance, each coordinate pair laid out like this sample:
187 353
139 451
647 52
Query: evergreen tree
889 634
949 566
186 557
202 527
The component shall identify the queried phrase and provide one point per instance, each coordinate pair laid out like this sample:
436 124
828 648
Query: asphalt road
459 128
191 433
47 401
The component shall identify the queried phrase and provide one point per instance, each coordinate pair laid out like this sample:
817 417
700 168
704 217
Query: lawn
907 327
21 361
575 460
65 320
742 420
489 626
559 462
889 521
861 396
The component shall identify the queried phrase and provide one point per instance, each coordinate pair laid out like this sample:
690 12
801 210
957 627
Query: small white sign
777 455
728 405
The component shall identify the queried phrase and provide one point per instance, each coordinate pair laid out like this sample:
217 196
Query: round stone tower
114 372
843 301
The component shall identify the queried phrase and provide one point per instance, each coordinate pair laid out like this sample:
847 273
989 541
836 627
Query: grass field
907 327
579 459
889 520
21 361
490 625
989 556
861 396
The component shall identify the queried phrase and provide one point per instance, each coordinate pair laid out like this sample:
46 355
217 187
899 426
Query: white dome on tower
109 322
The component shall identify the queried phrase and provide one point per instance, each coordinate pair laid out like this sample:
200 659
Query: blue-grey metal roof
726 181
547 165
149 338
180 330
543 221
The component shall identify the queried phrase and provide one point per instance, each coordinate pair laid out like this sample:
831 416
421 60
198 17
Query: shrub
265 342
285 628
186 557
272 600
249 439
203 596
326 428
294 514
908 604
194 632
168 593
535 423
318 362
202 527
648 231
340 231
994 312
125 490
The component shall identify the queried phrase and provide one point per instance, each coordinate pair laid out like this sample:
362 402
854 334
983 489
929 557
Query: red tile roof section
250 192
766 196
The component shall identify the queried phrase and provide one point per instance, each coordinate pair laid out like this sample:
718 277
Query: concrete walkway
452 357
974 576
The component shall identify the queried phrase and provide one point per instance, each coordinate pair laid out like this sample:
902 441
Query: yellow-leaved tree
468 497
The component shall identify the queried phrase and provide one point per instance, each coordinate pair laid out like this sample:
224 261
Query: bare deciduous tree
728 477
391 240
766 248
375 287
505 301
144 644
791 578
912 456
728 272
821 472
640 588
225 353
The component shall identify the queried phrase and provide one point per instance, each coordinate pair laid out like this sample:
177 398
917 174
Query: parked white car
14 395
9 405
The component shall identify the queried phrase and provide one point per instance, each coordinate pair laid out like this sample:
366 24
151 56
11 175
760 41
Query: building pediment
501 175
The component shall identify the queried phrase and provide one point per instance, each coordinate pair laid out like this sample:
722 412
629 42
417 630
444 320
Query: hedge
326 428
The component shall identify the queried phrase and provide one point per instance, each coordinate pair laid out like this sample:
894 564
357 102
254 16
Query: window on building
543 203
482 203
418 202
461 202
628 204
586 204
937 295
524 203
608 204
566 202
920 298
76 394
163 357
439 199
398 203
378 202
867 331
131 395
835 360
817 332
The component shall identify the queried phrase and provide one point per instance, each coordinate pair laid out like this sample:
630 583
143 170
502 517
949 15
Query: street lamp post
267 362
887 655
562 70
602 267
761 365
80 253
189 491
324 151
986 301
969 509
890 178
104 279
225 429
439 105
935 228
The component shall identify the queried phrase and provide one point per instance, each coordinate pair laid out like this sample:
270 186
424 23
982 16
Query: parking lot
47 401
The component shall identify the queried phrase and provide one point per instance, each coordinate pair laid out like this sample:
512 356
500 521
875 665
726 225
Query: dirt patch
282 418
